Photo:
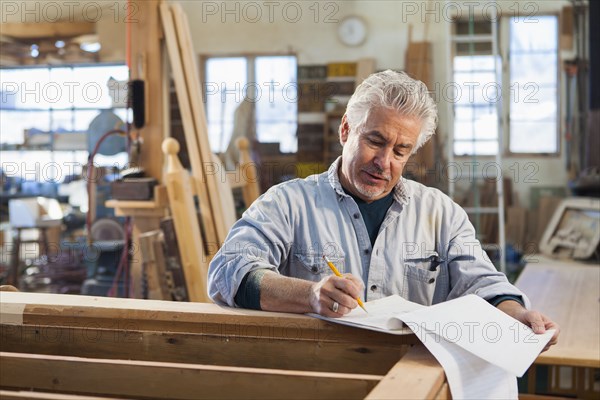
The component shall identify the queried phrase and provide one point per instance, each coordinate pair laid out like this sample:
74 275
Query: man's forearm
285 294
512 308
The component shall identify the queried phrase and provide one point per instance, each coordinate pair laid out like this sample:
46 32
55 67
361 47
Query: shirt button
373 288
367 251
356 215
431 280
314 269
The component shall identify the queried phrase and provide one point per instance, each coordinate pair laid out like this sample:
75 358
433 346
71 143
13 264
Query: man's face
373 158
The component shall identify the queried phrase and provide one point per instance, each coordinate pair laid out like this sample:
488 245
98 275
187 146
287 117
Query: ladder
477 210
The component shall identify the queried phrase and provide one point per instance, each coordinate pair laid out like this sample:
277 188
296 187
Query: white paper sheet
482 329
380 317
469 376
481 348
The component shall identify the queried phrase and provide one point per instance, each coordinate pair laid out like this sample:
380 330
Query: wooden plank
418 374
33 309
248 172
152 253
233 348
527 396
567 292
172 380
190 69
444 393
189 128
189 238
141 223
159 201
38 30
27 394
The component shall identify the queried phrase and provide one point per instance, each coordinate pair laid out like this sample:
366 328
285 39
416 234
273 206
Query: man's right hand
333 289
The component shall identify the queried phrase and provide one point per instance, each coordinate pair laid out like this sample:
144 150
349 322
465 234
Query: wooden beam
32 309
171 380
211 171
191 135
231 348
147 65
189 238
153 260
444 393
28 394
418 374
32 30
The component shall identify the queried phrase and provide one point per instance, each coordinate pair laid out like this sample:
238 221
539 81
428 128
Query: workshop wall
309 29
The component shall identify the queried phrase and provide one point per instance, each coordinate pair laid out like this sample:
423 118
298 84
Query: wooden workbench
569 293
156 349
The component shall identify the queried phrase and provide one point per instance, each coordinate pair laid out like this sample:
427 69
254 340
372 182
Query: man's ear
344 130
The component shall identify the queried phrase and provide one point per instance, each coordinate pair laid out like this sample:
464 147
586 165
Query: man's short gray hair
396 91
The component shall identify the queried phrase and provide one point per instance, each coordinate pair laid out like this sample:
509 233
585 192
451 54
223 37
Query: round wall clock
352 31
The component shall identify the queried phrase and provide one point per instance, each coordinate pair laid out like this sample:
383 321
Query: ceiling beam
30 30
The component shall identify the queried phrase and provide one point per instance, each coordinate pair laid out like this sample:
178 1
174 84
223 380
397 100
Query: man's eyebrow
376 134
379 135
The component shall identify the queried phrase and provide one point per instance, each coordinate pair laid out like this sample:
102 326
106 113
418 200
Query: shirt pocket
313 267
420 276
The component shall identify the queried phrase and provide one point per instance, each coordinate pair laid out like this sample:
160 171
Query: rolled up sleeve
261 239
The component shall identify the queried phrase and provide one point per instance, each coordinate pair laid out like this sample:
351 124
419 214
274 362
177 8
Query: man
388 235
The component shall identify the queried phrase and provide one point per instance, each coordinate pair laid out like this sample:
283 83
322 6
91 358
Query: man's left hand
537 321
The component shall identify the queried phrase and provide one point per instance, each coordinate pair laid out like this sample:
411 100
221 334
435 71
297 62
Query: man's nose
383 159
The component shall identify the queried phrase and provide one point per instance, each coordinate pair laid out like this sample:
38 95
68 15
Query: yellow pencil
337 273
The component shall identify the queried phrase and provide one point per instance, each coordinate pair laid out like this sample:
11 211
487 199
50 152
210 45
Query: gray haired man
386 234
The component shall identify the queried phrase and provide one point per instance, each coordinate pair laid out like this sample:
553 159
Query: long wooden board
28 394
234 349
415 372
173 380
17 308
189 128
212 172
137 340
189 238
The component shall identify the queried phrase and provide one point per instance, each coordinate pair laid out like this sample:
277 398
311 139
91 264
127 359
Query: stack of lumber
56 346
198 241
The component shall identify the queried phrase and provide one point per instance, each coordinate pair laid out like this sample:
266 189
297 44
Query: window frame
250 68
505 53
504 50
51 151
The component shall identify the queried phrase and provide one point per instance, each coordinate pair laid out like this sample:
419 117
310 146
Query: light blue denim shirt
426 250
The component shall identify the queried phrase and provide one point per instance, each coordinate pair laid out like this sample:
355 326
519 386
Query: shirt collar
401 191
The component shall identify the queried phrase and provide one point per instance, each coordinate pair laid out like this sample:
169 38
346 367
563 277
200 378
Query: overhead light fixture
91 47
59 44
88 43
34 50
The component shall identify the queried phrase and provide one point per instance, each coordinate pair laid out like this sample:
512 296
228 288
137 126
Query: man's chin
370 194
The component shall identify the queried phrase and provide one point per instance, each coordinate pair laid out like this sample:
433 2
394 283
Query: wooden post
248 172
147 64
191 245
